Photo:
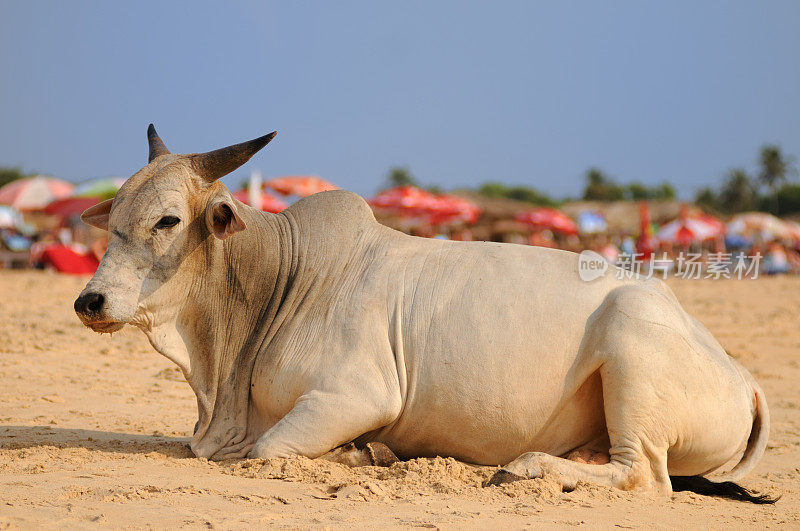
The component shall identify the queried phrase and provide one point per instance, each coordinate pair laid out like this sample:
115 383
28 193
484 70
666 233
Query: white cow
304 330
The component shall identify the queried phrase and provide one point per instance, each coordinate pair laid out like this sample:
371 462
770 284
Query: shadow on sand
19 437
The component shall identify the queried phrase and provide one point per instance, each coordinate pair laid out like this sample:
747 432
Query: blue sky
462 92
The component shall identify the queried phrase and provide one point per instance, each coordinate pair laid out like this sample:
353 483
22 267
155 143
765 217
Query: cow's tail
723 485
724 489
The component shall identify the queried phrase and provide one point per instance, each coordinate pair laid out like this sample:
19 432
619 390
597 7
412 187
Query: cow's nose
89 303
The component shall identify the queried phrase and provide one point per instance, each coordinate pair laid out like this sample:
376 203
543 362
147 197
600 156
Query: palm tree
706 197
775 168
738 193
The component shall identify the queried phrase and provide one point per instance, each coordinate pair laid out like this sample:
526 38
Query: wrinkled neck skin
234 293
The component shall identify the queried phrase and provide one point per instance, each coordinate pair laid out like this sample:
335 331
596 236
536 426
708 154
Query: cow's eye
167 222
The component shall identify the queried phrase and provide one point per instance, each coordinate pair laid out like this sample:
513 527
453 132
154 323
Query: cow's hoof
381 455
502 476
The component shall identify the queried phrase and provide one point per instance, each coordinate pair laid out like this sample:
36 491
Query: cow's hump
334 211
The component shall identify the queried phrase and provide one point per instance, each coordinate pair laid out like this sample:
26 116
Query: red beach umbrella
410 201
71 206
548 218
269 203
687 229
300 185
451 209
404 200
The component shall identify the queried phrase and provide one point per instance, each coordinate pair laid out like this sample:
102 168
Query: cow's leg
637 420
633 460
618 472
628 460
635 354
321 421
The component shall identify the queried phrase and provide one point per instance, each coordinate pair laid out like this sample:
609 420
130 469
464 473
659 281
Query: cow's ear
97 216
223 218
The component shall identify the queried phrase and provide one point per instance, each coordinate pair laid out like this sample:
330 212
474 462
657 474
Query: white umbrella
767 226
686 230
34 193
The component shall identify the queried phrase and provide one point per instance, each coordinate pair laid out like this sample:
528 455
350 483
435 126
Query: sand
94 432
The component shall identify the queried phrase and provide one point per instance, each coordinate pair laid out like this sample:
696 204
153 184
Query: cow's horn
215 164
157 147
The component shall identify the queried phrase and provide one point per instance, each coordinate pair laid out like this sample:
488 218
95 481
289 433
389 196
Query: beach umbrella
591 222
34 193
404 200
766 226
446 209
413 202
70 206
793 228
103 188
269 203
85 195
9 217
688 229
548 218
716 223
301 185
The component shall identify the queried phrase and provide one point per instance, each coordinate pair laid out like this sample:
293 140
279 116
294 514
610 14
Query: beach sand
94 431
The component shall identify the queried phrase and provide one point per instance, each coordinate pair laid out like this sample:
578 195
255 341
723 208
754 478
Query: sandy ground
93 432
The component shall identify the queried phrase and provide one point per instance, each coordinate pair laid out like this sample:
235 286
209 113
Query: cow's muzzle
90 307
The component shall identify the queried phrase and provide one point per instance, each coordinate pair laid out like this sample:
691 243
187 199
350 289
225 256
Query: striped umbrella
300 185
794 229
85 195
34 193
687 229
766 226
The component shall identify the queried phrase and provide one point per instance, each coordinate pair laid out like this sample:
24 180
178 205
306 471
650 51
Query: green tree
665 191
529 195
492 189
638 191
737 193
601 188
775 169
10 174
400 176
518 193
706 197
787 199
